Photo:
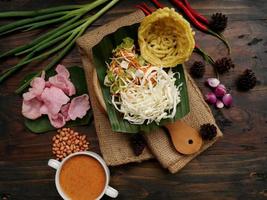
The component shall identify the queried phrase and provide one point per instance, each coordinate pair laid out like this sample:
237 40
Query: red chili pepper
187 12
157 3
199 25
196 23
143 9
195 13
144 5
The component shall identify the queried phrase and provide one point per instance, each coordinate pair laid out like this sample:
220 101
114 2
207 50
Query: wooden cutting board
185 139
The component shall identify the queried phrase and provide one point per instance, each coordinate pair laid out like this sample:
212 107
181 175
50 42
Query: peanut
68 141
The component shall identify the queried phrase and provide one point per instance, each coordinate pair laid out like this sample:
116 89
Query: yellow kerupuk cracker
165 38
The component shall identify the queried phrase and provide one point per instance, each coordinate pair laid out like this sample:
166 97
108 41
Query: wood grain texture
235 168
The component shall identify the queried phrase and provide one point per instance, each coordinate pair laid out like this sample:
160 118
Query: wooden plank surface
234 168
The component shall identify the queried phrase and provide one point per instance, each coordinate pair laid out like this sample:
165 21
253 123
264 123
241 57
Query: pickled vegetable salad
141 92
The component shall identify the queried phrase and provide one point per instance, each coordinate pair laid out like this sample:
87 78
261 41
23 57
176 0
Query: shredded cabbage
154 99
141 92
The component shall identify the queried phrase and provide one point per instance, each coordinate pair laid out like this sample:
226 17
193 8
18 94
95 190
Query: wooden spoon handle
186 139
98 93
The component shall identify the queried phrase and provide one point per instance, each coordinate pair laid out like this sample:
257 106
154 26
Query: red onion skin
219 91
211 98
227 100
222 86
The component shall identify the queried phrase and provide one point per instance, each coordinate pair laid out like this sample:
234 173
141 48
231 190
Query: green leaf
42 124
102 53
77 77
39 125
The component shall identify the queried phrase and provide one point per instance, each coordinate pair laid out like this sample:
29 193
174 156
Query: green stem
223 39
70 45
24 23
6 73
35 13
79 29
46 44
207 58
50 43
81 11
47 22
54 33
46 54
101 12
52 37
49 66
28 59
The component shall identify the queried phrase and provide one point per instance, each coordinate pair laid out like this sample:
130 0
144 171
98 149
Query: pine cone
197 70
218 22
247 80
208 131
223 65
138 143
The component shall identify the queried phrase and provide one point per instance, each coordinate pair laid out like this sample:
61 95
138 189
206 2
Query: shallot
213 82
211 98
227 100
219 104
220 91
219 96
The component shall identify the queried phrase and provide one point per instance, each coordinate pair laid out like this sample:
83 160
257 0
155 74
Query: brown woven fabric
115 147
200 113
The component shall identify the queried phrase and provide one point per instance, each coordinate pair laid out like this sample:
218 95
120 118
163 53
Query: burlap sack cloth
115 147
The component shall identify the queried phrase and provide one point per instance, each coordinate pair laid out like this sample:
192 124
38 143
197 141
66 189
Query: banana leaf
102 53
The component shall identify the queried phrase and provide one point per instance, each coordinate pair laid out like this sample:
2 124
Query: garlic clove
219 104
213 82
211 98
227 100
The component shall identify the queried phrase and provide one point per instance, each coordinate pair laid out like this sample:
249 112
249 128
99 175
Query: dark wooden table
234 168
